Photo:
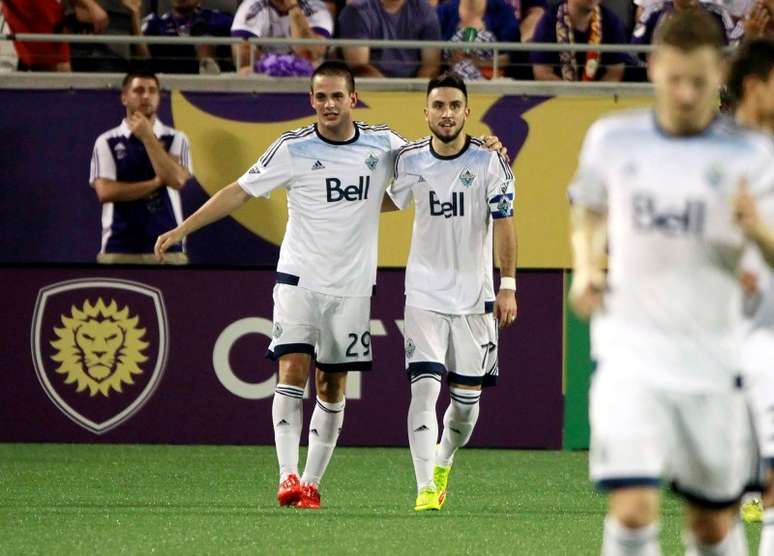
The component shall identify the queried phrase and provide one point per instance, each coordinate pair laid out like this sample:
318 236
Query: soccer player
335 171
656 188
751 87
462 192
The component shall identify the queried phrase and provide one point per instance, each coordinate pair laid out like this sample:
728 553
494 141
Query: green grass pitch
127 499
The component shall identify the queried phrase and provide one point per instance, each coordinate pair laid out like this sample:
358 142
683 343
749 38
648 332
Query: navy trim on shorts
464 380
289 279
488 306
706 503
739 381
424 368
285 349
606 485
355 366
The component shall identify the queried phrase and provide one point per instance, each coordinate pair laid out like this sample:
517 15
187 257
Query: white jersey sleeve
274 169
319 18
250 19
102 163
589 187
401 191
499 187
181 148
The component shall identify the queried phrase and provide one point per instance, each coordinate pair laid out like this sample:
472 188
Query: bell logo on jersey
335 192
455 207
672 221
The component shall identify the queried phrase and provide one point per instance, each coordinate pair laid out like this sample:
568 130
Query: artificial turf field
131 499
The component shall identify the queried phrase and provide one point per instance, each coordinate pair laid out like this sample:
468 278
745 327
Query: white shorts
462 346
334 330
702 443
758 367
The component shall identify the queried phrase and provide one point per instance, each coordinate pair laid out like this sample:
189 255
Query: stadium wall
50 215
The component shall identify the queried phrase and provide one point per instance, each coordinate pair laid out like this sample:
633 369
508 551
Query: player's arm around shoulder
399 192
223 203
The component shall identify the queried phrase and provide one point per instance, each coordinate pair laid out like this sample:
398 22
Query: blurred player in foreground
657 188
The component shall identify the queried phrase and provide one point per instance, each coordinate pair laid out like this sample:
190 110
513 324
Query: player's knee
711 527
767 496
330 386
634 508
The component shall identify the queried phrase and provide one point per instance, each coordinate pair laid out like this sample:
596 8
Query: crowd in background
476 22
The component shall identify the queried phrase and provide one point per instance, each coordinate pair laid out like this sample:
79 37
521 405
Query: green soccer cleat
752 511
441 479
427 499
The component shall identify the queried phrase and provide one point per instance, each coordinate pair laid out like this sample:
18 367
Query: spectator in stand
528 13
137 170
299 19
759 23
652 16
46 16
121 17
477 21
414 20
579 22
187 19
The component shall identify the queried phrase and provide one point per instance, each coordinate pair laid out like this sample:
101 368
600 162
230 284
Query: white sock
458 423
734 544
423 427
287 415
324 429
619 540
767 534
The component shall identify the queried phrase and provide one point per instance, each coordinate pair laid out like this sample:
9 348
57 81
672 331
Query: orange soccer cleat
310 497
290 491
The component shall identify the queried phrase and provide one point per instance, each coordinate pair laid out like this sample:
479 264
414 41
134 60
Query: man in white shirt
656 188
461 191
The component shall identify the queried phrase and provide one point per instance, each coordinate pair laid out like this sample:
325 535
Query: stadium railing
231 82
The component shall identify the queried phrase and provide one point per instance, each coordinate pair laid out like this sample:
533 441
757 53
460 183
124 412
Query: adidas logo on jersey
254 170
318 165
421 179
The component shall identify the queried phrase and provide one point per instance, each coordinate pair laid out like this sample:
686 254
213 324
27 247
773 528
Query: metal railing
496 47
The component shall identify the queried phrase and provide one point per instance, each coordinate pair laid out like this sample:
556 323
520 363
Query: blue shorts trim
284 349
289 279
607 485
355 366
424 368
701 501
488 306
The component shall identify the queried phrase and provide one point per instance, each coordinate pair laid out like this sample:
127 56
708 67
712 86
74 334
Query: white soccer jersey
335 193
450 265
259 18
673 297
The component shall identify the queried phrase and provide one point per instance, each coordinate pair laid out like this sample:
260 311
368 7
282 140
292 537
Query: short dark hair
334 68
753 58
448 79
142 74
689 30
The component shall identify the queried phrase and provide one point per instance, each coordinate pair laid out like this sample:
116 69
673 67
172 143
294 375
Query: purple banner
177 356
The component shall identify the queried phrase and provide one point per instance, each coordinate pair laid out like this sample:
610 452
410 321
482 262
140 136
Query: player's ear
311 99
467 110
353 98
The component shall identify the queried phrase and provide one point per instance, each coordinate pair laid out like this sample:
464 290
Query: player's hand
749 282
746 211
492 142
505 308
167 240
140 126
585 295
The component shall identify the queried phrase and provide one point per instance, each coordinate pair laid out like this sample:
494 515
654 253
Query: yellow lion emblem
99 347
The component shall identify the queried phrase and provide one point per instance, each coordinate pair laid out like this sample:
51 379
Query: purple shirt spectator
498 18
368 19
612 33
202 22
499 25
